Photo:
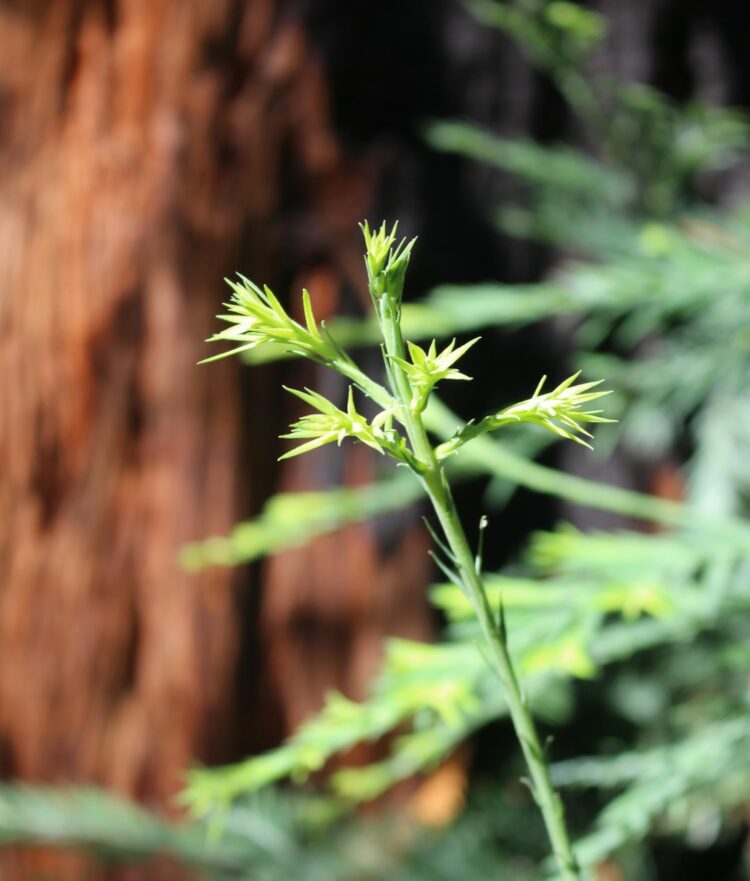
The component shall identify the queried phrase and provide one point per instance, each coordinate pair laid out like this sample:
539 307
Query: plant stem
436 485
548 800
372 389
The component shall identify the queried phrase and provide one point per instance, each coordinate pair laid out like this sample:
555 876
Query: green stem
372 389
548 800
436 485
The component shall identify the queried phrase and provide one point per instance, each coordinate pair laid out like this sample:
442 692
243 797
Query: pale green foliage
386 265
560 411
583 603
555 33
675 292
293 519
670 786
602 598
680 282
411 382
273 836
100 822
662 146
266 838
330 424
580 604
429 367
256 316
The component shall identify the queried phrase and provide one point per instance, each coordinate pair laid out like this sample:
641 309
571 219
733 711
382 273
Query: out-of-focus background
576 177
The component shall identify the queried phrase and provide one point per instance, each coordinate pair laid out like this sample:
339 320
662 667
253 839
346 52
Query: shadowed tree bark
147 149
127 173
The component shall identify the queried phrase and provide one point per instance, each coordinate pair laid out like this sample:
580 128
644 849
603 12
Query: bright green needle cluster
427 368
386 264
331 424
561 411
256 316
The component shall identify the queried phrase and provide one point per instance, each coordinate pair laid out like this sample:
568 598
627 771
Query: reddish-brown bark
118 217
141 149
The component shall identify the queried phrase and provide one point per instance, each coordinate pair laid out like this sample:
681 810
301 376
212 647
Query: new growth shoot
256 316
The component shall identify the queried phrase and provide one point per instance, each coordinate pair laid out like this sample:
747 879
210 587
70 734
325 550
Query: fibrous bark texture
147 148
118 215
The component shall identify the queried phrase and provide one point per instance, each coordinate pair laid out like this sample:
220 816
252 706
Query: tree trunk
145 150
120 210
140 155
